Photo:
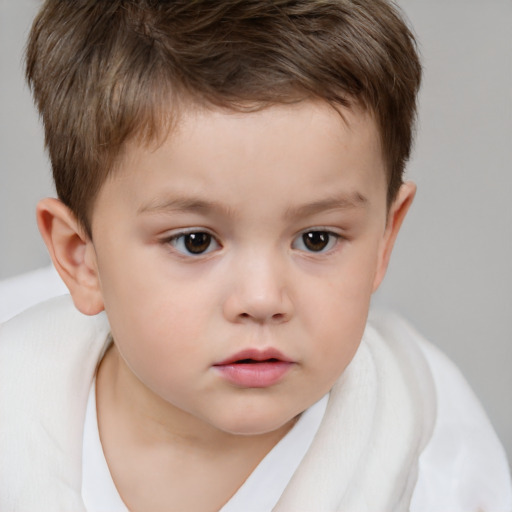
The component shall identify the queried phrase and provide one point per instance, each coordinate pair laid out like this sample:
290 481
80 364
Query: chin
257 424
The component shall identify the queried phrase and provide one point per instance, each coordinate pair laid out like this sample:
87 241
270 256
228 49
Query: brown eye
315 241
197 243
194 243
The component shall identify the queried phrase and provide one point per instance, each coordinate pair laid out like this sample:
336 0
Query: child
230 188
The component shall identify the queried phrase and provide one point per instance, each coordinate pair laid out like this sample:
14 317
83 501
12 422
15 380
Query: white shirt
260 492
462 467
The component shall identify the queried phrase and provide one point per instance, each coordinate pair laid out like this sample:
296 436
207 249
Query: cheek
160 342
337 310
163 320
154 320
337 324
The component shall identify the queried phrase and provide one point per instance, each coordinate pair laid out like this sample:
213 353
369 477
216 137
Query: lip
253 368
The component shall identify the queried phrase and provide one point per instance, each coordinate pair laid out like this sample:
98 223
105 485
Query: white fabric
450 471
48 356
264 487
98 490
259 493
380 416
20 292
376 424
464 467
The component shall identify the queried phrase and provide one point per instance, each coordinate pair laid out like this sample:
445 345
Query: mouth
254 368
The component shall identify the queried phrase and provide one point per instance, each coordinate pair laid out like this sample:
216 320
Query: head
104 73
230 178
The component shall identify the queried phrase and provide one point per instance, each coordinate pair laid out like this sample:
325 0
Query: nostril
277 317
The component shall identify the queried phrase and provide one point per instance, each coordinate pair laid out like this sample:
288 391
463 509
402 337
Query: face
237 260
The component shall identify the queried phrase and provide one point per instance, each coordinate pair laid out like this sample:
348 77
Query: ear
396 216
72 253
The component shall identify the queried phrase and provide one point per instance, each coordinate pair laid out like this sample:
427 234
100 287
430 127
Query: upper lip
253 354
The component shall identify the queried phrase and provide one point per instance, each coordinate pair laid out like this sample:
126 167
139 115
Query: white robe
381 417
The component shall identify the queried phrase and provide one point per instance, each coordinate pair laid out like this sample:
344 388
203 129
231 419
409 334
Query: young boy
230 188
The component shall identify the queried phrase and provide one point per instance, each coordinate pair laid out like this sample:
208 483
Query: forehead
306 151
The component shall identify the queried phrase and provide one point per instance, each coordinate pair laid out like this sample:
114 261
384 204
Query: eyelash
179 241
331 241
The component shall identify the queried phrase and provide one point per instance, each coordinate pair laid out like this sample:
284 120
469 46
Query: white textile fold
48 356
379 418
364 458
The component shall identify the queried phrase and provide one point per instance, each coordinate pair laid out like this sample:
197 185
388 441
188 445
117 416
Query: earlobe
72 253
396 216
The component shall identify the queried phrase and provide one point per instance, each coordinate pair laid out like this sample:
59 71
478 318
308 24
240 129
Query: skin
255 183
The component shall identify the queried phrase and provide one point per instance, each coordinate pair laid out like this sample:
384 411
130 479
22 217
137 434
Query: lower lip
255 375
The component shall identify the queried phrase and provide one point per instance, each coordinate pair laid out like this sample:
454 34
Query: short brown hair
103 72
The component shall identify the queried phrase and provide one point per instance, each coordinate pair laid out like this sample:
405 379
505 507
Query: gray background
450 274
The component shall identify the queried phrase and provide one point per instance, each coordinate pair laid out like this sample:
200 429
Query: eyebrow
341 202
202 206
185 204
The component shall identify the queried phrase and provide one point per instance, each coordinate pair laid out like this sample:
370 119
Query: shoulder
463 467
48 355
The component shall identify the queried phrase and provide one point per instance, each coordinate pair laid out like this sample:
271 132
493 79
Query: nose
259 292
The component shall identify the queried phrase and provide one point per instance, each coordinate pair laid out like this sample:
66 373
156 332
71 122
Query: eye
194 243
316 241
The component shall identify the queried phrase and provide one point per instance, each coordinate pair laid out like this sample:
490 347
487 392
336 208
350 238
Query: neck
136 424
153 420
